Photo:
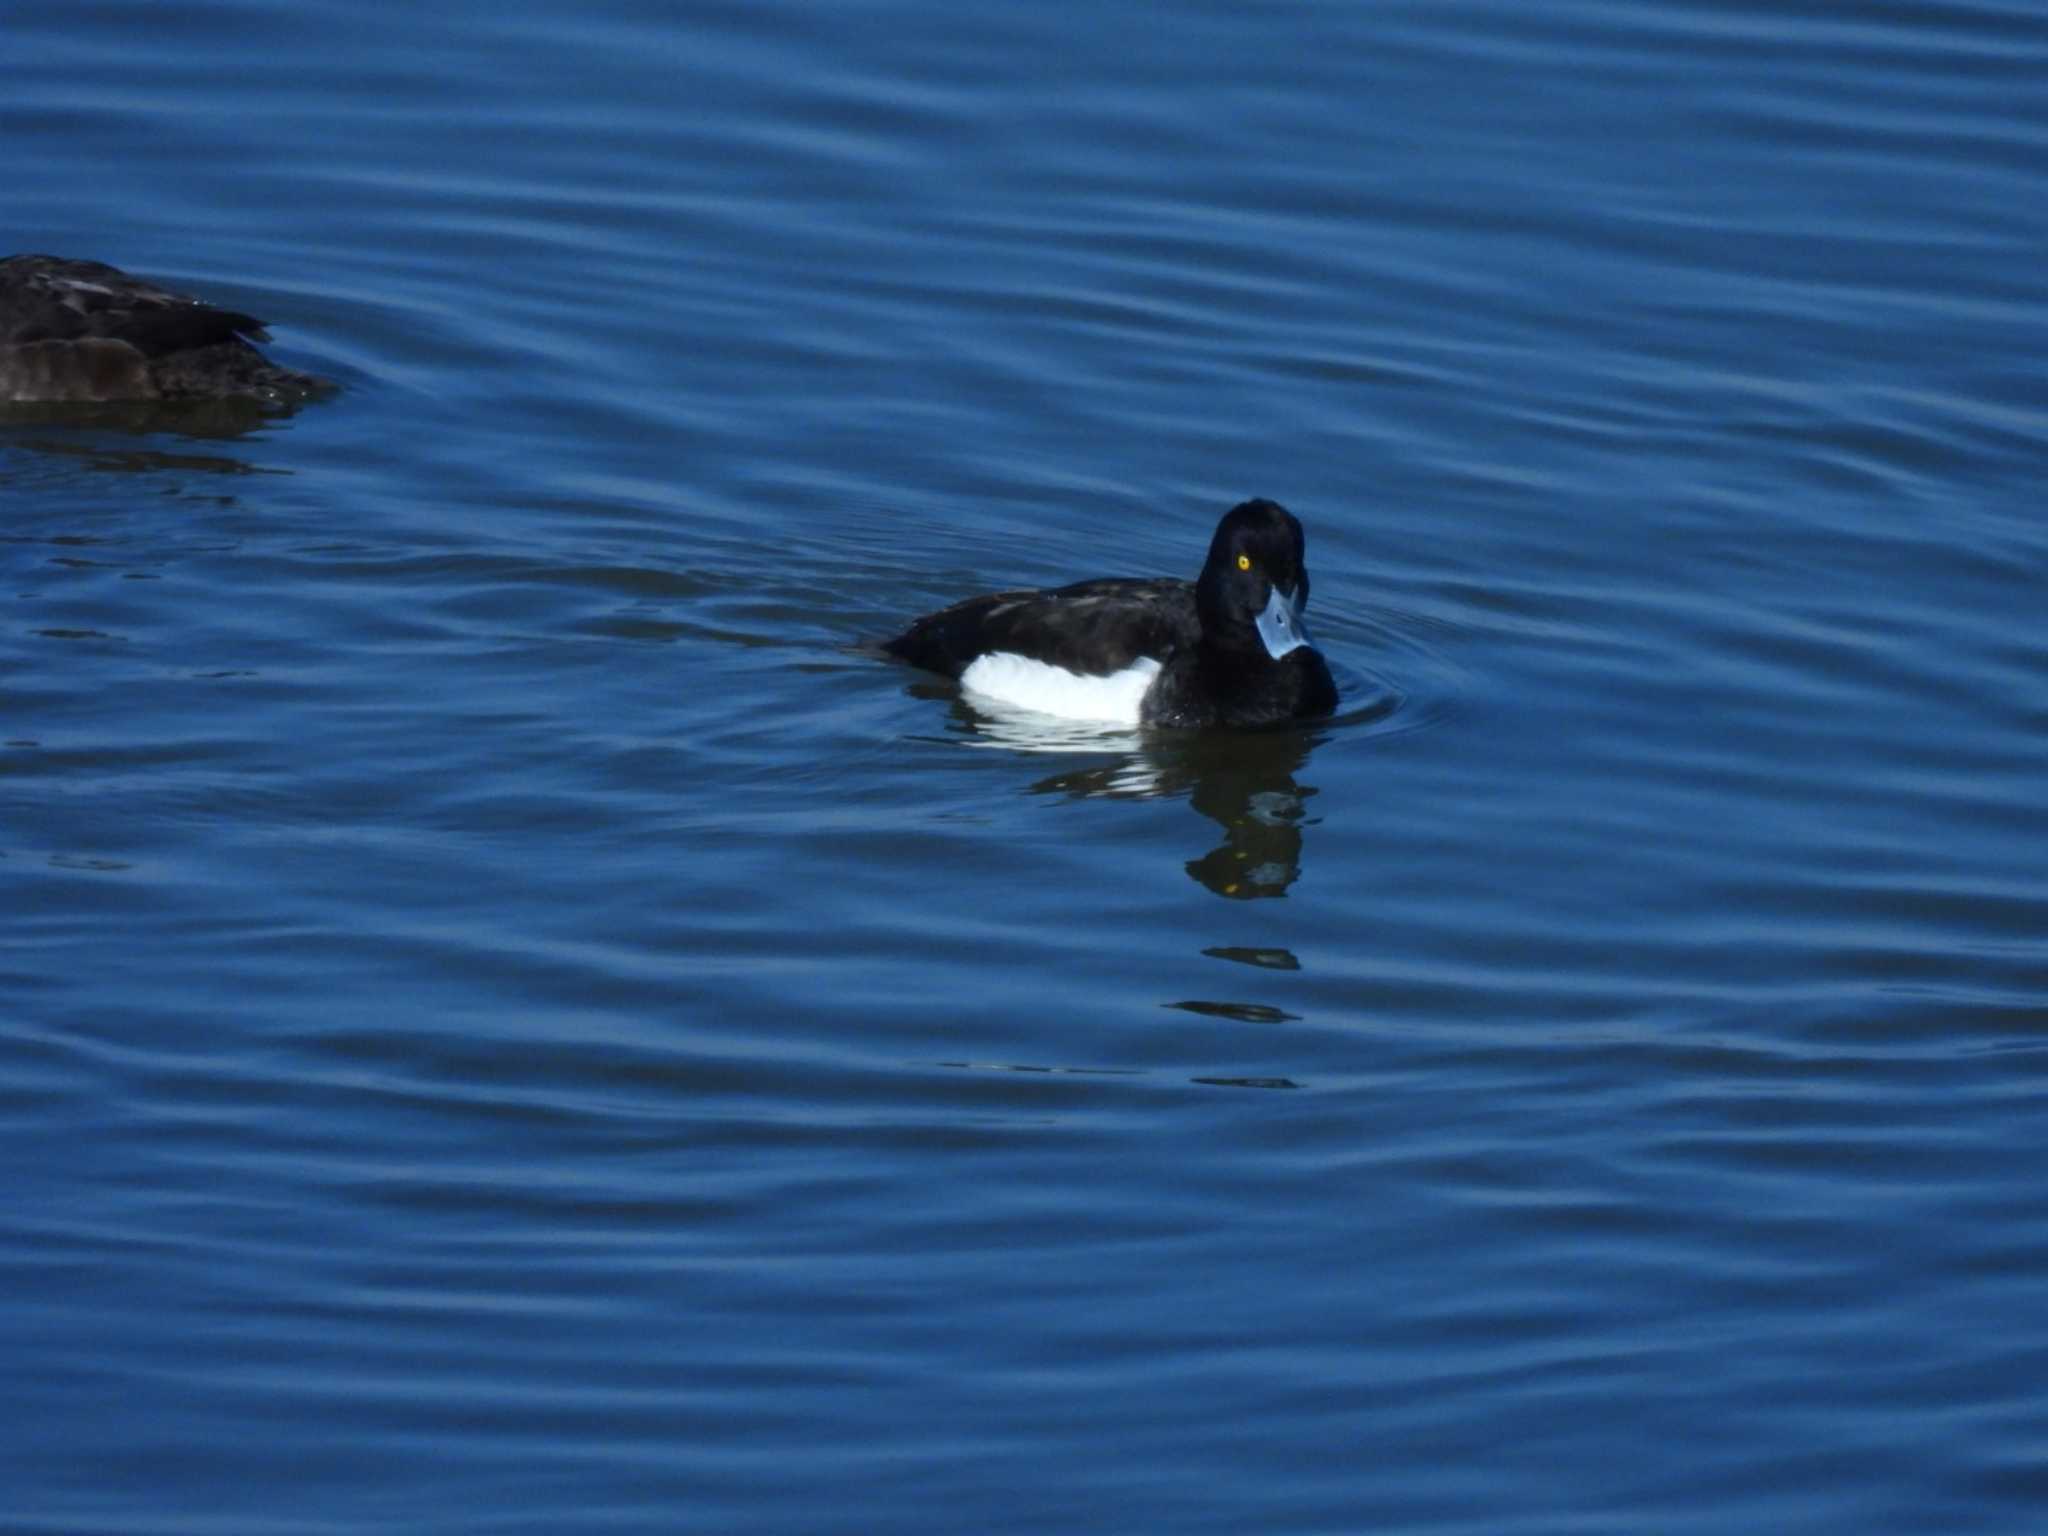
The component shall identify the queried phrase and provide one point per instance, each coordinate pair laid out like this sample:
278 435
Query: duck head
1254 585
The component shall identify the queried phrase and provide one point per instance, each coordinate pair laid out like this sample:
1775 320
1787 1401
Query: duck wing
1094 628
55 298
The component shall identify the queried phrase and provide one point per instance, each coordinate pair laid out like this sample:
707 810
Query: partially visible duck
81 331
1227 648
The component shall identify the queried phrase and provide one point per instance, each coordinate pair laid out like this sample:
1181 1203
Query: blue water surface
514 1018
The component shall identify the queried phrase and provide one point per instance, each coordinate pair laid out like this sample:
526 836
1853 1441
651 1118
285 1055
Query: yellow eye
1244 562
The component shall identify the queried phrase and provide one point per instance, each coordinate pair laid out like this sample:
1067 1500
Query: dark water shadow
98 456
1027 1069
232 417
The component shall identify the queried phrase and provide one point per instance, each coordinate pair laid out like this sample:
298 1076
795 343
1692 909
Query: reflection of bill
1261 850
1261 810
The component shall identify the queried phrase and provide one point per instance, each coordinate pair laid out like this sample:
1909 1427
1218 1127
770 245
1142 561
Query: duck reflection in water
1245 782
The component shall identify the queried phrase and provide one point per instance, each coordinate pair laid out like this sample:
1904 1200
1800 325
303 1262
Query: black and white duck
1226 649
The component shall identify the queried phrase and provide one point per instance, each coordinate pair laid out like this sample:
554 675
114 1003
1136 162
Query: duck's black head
1254 586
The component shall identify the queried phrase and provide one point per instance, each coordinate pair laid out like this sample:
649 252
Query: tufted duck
1227 648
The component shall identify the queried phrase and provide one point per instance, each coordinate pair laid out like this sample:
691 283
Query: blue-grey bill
1280 625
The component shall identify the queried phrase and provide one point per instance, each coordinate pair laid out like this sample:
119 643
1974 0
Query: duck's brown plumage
82 331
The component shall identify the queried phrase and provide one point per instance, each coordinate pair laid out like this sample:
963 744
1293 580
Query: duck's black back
1092 627
54 298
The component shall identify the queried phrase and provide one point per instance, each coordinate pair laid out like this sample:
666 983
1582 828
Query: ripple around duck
1155 763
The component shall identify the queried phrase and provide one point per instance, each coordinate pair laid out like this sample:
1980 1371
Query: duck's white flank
1027 684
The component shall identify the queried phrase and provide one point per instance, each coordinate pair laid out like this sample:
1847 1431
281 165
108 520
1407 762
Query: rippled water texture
517 1019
